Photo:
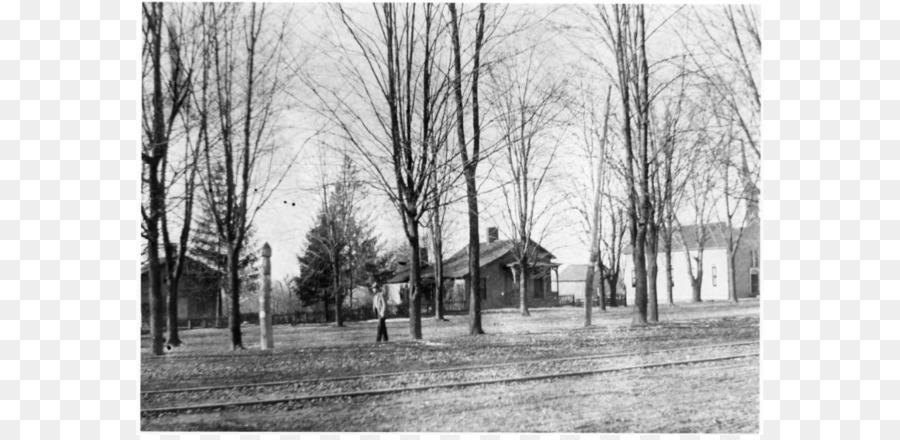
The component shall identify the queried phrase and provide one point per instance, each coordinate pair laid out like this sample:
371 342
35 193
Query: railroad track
407 381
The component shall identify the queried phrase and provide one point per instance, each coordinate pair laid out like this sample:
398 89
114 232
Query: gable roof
574 272
714 237
457 265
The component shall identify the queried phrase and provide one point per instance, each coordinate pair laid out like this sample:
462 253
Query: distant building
572 280
197 290
715 266
499 275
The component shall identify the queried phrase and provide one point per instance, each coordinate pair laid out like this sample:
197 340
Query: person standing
380 306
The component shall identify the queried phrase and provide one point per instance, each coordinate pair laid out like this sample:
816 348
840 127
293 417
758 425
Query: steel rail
439 370
383 391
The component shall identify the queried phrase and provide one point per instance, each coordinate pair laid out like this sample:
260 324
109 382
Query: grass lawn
713 397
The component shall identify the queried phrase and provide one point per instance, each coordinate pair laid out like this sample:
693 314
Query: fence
569 300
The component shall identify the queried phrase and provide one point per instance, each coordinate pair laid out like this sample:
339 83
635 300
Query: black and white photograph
449 217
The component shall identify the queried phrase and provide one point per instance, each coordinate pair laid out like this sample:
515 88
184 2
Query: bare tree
596 267
388 109
737 209
672 153
613 246
625 35
437 126
185 43
470 161
701 191
245 67
728 62
163 101
530 104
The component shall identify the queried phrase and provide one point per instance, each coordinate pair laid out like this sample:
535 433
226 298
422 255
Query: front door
539 287
754 284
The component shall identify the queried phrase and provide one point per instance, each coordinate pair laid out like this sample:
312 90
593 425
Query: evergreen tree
342 251
207 246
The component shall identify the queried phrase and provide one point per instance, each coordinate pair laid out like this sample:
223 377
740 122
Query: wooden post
266 341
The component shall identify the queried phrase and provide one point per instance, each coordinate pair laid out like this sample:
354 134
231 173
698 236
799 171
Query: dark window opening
714 277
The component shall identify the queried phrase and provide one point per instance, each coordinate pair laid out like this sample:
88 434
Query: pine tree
208 247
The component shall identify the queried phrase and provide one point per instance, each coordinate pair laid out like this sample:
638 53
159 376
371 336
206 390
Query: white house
715 266
572 280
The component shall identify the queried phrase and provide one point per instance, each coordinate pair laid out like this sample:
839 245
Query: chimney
492 234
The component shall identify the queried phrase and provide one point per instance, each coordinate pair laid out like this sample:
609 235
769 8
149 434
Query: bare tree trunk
174 281
474 257
599 269
596 224
438 279
588 293
338 300
234 280
732 280
696 283
523 286
157 150
469 164
157 312
669 274
652 273
613 279
415 280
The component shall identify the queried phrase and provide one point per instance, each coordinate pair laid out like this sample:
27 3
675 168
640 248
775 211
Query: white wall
682 292
575 288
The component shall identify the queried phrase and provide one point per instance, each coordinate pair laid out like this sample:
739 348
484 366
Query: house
572 280
197 290
714 284
498 285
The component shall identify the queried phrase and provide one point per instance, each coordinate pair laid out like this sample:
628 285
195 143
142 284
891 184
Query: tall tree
701 192
245 69
596 266
437 124
469 159
339 211
737 209
376 113
163 100
626 36
728 60
341 251
529 99
185 44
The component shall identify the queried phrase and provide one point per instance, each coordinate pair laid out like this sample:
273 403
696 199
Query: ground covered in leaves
713 397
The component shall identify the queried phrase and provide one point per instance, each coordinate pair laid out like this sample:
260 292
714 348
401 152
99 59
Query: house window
482 288
714 277
633 279
754 259
539 287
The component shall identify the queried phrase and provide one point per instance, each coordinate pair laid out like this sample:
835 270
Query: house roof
457 265
714 237
574 272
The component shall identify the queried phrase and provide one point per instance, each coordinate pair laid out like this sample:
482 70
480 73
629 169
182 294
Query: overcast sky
284 220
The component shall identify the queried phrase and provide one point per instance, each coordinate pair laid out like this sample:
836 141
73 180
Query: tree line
661 103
